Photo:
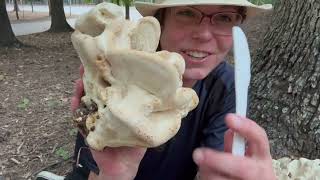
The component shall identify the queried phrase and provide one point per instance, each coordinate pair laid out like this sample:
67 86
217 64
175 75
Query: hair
243 12
160 15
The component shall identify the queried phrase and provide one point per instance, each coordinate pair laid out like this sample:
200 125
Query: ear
145 36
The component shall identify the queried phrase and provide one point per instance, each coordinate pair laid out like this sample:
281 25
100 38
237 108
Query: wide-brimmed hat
149 9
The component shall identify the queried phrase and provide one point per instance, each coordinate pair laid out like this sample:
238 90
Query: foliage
24 103
53 103
87 1
127 2
64 154
259 2
116 2
73 131
123 2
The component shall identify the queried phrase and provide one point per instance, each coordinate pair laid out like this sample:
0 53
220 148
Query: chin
195 75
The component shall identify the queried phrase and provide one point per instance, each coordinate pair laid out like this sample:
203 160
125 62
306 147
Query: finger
75 102
254 134
250 149
79 88
81 70
232 166
76 99
228 137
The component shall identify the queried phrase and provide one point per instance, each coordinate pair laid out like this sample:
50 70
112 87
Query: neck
189 83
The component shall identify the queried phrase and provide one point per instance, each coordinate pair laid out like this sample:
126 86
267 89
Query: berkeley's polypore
134 94
302 169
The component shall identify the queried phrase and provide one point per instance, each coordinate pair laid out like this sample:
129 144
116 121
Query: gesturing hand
256 164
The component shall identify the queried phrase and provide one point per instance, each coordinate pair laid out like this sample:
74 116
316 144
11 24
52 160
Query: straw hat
149 9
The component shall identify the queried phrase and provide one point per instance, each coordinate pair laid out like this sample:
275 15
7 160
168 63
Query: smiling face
199 44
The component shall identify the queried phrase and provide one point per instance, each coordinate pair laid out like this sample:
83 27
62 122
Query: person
200 31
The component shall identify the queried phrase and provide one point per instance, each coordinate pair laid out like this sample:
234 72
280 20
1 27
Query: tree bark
285 93
7 38
58 18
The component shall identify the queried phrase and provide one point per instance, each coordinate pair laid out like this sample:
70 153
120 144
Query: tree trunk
7 38
49 4
58 18
16 8
127 6
285 94
31 1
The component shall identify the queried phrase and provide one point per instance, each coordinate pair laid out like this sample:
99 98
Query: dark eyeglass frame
224 30
203 15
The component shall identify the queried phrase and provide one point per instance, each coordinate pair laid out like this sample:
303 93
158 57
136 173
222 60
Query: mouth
195 55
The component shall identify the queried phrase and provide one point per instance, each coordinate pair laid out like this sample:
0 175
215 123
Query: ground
36 82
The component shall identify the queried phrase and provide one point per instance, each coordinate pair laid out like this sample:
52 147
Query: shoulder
222 76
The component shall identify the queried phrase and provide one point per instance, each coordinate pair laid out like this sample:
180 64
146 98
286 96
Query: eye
186 13
224 18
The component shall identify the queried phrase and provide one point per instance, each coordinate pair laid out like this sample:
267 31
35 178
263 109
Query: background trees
285 90
7 38
58 18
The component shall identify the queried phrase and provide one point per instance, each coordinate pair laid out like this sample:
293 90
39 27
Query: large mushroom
133 94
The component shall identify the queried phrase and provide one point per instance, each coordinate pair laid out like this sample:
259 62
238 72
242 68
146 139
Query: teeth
197 54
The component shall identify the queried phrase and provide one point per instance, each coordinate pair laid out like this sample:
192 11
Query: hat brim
149 9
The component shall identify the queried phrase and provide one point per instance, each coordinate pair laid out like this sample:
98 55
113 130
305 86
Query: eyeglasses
222 22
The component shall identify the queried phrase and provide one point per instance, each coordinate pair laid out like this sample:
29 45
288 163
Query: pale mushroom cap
302 169
138 91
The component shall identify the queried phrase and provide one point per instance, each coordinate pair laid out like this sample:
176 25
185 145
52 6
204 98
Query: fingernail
198 156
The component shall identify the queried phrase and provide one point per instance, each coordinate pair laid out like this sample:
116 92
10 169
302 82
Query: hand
256 164
79 91
120 163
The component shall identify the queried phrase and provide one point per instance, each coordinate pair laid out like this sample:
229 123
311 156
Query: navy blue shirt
204 126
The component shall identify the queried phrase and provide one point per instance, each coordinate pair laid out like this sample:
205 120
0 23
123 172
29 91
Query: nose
202 32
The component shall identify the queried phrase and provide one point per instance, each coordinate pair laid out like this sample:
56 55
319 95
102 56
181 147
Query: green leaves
259 2
64 154
24 103
87 1
73 132
123 2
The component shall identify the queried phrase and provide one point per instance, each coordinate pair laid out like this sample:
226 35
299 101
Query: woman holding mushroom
201 32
